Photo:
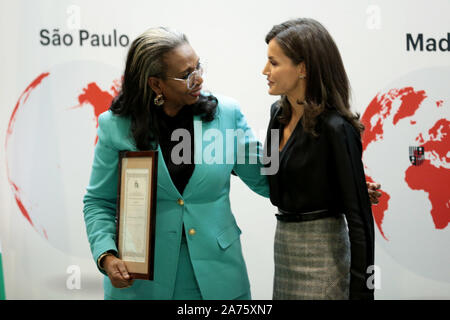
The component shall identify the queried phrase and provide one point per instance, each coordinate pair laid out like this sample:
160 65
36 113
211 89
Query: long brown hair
327 85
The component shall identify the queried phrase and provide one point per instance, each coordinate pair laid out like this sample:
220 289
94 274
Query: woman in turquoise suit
198 252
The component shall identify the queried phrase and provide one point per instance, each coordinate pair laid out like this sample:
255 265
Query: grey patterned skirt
312 260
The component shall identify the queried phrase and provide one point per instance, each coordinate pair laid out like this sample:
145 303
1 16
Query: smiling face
180 62
282 74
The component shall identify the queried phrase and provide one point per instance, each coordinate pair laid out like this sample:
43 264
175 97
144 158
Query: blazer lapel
200 172
164 180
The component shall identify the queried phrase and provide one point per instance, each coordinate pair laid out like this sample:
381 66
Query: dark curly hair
135 99
327 85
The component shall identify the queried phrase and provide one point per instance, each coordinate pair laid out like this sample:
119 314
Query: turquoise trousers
186 286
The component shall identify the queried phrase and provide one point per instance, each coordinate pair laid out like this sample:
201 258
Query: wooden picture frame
136 211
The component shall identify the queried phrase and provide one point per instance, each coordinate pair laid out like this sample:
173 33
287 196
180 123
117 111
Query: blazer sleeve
248 165
346 151
100 198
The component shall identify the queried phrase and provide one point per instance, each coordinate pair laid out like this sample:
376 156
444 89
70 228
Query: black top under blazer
327 173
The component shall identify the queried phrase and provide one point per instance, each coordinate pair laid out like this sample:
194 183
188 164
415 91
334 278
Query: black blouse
184 119
327 173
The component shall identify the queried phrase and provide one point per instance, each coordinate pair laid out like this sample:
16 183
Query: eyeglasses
192 77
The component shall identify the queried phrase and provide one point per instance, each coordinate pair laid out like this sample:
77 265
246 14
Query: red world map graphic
91 96
427 177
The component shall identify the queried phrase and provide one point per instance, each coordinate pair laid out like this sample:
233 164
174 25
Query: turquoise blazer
215 248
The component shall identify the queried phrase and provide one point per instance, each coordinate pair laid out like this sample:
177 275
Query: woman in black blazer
324 242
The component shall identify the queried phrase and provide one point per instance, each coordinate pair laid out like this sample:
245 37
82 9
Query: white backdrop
48 130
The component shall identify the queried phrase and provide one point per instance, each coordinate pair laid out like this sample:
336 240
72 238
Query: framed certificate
136 211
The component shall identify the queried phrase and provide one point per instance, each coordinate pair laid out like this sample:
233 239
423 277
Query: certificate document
136 211
136 208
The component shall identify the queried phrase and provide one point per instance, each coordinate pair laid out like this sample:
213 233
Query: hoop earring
159 100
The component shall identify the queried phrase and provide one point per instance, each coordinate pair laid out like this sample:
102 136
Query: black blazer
327 173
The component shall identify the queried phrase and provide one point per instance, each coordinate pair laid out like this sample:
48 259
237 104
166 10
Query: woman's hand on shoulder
373 193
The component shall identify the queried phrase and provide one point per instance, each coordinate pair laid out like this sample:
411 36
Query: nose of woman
265 70
198 80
